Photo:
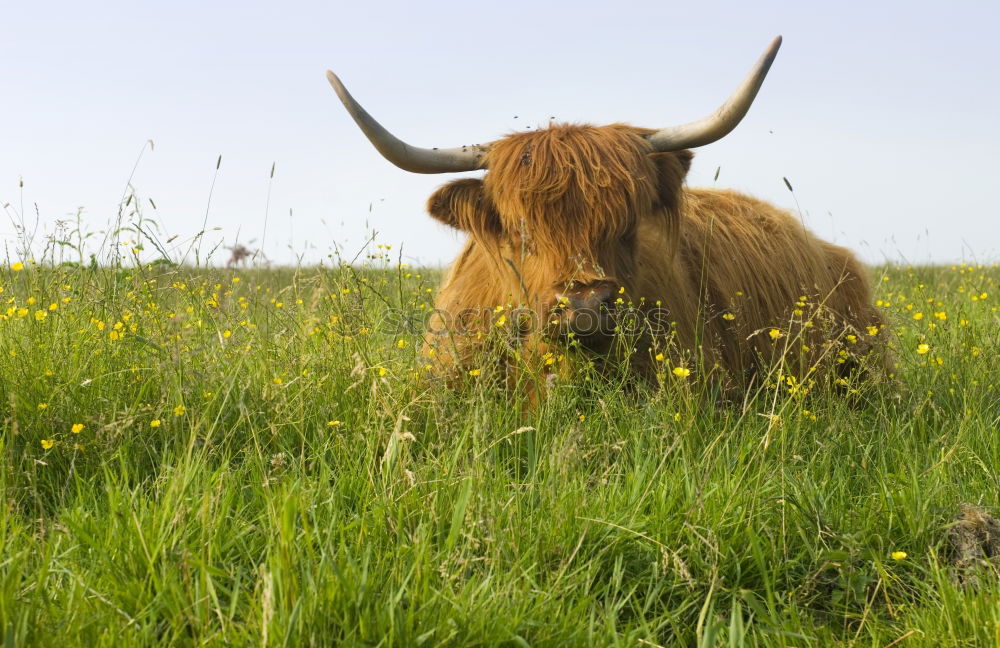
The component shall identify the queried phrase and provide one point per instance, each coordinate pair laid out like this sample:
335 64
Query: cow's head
558 208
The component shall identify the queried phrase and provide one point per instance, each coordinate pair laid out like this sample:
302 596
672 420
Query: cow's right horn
410 158
722 121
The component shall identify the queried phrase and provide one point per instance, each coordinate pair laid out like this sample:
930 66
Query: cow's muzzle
588 310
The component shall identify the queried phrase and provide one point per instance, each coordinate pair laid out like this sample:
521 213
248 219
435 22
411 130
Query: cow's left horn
722 121
410 158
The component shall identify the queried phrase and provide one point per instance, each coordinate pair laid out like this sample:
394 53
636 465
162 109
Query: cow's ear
671 169
464 205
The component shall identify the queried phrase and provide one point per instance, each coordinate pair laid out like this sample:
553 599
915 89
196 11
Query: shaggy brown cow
572 223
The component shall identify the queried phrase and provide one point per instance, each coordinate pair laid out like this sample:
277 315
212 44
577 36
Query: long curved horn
722 121
409 158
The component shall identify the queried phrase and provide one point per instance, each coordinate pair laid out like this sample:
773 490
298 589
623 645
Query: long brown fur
573 204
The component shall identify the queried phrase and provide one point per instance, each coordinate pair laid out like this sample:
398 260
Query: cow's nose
596 296
587 309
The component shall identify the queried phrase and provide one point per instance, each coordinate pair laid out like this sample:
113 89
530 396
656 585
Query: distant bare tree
239 253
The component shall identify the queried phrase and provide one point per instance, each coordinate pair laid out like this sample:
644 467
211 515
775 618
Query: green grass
307 485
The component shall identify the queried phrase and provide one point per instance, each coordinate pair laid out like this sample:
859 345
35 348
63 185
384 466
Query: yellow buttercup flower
775 334
46 443
923 348
681 372
898 555
474 372
77 428
17 267
155 423
179 410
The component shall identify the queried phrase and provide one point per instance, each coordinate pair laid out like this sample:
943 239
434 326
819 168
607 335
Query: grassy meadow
208 457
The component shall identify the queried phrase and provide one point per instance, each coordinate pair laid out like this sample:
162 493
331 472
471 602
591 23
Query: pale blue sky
882 115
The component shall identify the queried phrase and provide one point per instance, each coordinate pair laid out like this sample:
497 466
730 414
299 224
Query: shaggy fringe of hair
572 190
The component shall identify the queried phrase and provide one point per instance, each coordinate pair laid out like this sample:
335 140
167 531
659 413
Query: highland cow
576 225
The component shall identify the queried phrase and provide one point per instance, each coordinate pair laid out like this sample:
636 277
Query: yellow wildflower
155 423
681 372
46 443
77 428
179 410
898 555
775 334
17 267
474 372
923 348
